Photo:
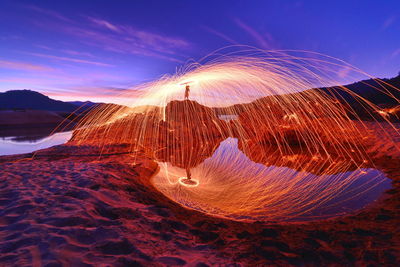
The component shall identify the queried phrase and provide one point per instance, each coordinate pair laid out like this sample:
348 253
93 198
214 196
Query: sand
68 207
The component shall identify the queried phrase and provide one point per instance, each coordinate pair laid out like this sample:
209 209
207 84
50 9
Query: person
188 174
187 90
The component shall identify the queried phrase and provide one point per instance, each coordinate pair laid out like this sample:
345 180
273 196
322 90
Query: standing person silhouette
187 91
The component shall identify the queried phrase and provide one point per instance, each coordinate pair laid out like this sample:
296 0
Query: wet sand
67 206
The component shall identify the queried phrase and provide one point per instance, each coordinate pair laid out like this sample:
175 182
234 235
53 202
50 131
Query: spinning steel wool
280 119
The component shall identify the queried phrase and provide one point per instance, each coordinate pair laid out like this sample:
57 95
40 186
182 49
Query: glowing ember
188 182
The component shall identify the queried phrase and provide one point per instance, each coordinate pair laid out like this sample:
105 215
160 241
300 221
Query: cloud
65 51
138 39
83 90
105 94
6 64
219 34
48 12
132 42
344 72
66 80
45 47
395 53
104 23
76 60
77 53
388 22
117 38
260 39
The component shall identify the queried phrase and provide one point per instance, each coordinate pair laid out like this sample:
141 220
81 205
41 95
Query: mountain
27 99
84 103
381 92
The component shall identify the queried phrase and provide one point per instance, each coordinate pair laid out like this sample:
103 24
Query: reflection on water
293 188
11 145
228 117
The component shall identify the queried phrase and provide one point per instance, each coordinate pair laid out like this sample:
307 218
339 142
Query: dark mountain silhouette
27 99
84 103
381 92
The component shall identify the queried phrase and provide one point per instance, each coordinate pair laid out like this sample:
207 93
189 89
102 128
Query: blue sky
89 49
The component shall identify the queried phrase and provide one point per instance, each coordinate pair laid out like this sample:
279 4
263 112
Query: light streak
308 134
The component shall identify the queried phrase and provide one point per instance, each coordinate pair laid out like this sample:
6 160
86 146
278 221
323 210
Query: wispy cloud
118 38
45 47
65 51
70 59
104 23
395 53
17 65
48 12
219 34
265 40
89 90
106 94
344 72
63 79
128 39
77 53
27 82
132 42
389 22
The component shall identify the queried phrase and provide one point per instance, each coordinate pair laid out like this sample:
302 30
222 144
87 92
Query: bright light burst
279 119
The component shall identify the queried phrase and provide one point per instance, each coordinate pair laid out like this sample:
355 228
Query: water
11 145
228 117
231 185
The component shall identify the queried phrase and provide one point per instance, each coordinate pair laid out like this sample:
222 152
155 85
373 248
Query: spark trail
281 119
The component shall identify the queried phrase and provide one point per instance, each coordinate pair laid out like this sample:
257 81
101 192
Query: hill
84 103
381 92
27 99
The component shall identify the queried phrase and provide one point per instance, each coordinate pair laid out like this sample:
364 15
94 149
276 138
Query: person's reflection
188 174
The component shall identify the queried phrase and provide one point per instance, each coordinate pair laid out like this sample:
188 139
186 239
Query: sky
89 50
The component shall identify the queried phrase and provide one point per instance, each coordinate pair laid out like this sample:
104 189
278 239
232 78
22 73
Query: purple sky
90 49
